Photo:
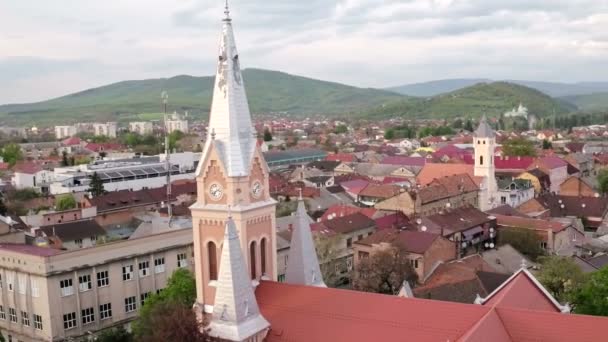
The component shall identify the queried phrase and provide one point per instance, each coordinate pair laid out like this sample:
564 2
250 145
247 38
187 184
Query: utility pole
165 98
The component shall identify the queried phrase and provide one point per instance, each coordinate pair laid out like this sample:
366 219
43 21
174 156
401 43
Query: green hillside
268 91
589 102
492 99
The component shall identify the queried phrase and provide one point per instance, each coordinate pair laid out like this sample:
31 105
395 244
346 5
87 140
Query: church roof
307 313
484 130
230 126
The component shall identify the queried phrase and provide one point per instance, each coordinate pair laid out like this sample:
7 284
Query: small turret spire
302 263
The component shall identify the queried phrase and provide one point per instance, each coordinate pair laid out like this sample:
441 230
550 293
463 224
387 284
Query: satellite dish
418 221
423 228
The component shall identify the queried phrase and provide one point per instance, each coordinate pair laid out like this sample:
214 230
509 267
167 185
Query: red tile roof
71 141
28 249
521 292
27 167
340 210
506 163
552 162
380 190
410 241
432 171
529 223
404 161
343 157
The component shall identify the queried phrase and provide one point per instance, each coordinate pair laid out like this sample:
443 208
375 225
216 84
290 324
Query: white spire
236 315
406 290
302 263
230 118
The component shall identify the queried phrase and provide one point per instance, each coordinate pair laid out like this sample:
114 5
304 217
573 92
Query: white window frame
130 304
103 281
127 273
85 285
37 322
12 315
144 268
67 287
159 265
144 296
22 280
69 321
34 287
105 311
78 242
182 260
25 318
2 313
88 315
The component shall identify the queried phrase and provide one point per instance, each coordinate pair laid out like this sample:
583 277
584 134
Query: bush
526 241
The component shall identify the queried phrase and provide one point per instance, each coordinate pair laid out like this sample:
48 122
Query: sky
52 48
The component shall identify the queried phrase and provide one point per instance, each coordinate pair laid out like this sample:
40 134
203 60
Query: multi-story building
62 132
177 123
54 295
107 129
141 127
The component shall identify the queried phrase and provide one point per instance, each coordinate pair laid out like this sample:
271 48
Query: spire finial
300 197
227 11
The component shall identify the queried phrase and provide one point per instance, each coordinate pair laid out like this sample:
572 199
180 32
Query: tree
64 158
3 208
457 124
11 154
592 297
526 241
327 252
118 334
389 134
384 271
518 147
96 186
547 144
267 135
561 276
340 129
602 180
468 125
168 315
65 202
174 137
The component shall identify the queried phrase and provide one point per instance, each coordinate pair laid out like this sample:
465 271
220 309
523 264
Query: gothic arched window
480 160
263 255
212 255
252 259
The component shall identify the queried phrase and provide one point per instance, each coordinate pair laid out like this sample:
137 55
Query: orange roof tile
432 171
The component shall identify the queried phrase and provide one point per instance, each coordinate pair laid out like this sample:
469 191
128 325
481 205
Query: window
363 255
84 282
88 315
127 272
69 320
158 291
103 279
144 268
12 315
349 242
360 237
93 239
159 265
143 297
38 322
22 283
66 287
414 263
10 281
25 319
503 200
78 242
349 263
2 313
263 255
281 278
182 260
543 245
35 289
105 311
480 160
212 256
130 304
252 260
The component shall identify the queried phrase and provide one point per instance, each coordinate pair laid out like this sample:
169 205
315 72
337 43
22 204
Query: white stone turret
485 143
230 123
302 263
236 315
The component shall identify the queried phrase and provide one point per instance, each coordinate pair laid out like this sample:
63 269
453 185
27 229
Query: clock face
216 191
256 189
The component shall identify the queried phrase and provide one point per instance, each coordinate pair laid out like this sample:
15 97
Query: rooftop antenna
165 98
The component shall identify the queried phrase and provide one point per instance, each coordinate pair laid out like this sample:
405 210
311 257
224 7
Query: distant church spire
302 263
236 315
230 118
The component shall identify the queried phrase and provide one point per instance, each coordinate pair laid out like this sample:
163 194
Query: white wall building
141 127
107 129
177 123
485 143
63 132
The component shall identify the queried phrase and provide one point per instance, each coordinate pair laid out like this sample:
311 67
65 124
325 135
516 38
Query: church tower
484 140
232 182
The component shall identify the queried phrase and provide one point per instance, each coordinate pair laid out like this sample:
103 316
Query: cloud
360 42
